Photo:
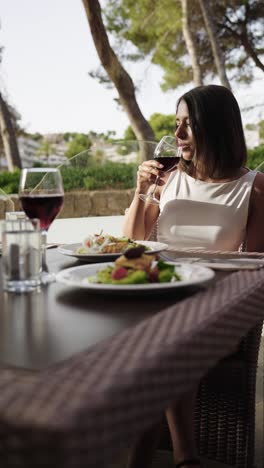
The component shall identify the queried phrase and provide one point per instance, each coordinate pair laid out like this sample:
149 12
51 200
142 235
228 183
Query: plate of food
136 272
103 247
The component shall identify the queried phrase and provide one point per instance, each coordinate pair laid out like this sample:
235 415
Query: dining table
84 373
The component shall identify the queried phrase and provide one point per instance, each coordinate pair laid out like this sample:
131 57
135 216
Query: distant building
53 160
3 163
29 153
60 148
28 150
111 151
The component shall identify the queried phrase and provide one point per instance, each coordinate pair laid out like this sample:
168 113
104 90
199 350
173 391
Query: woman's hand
147 173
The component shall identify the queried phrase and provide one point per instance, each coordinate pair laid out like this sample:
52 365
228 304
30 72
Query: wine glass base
149 198
47 278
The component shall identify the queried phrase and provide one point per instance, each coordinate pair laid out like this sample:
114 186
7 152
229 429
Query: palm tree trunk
190 44
216 49
8 136
118 76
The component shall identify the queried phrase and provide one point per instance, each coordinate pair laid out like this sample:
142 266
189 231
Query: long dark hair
217 128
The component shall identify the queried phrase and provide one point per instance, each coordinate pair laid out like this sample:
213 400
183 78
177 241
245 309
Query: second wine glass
41 195
168 154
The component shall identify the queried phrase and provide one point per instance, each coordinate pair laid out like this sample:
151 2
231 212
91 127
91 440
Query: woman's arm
141 216
255 227
140 219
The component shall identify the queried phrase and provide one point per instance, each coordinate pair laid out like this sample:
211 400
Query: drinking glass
21 244
168 154
41 195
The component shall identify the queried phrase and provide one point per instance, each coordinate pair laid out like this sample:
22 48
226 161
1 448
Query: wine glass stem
155 186
44 234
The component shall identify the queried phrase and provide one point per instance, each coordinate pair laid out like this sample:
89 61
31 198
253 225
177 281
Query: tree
156 30
162 125
78 144
8 136
190 42
250 126
8 118
118 75
261 130
46 148
240 26
216 48
129 134
35 136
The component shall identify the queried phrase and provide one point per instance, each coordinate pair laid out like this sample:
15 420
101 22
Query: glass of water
21 253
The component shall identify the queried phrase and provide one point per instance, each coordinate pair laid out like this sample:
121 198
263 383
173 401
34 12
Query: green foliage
95 177
91 177
154 28
35 136
40 164
9 181
46 148
261 129
251 126
73 178
110 175
162 124
79 142
256 157
240 30
98 157
129 134
67 136
125 148
82 159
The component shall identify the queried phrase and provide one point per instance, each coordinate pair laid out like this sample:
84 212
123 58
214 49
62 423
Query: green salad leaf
160 272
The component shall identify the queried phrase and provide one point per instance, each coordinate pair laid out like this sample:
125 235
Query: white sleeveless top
207 215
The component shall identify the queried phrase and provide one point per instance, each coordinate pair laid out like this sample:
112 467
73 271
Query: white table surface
71 230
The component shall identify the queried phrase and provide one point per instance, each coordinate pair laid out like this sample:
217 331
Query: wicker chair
225 408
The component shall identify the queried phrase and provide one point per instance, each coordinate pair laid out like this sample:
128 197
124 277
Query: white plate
70 249
77 277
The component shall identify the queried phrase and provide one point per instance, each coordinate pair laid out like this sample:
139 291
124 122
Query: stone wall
83 203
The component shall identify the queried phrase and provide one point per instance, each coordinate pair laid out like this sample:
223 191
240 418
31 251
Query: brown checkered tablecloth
81 412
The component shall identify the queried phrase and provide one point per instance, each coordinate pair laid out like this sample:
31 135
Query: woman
211 201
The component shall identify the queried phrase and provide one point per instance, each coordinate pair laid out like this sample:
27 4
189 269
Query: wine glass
41 195
168 154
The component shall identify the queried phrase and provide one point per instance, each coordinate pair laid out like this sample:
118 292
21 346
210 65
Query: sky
48 53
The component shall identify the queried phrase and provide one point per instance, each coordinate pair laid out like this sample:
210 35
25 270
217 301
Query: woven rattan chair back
225 405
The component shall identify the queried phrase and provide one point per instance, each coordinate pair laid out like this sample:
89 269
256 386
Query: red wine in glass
41 195
43 207
168 154
169 162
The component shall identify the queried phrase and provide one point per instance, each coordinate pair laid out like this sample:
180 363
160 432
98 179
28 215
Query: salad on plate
105 243
135 267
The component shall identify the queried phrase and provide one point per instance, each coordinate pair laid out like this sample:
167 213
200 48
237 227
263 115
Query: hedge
256 158
109 175
93 177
